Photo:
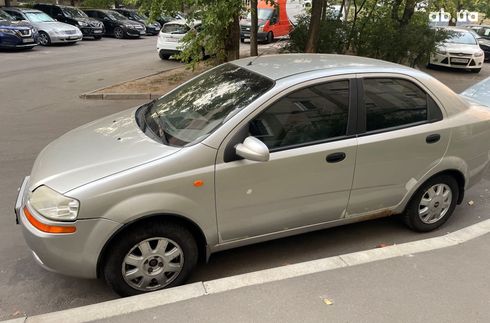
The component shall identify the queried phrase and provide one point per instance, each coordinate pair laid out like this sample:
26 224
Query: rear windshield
177 29
193 111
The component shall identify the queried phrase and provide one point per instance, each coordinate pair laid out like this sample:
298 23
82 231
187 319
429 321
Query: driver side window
310 115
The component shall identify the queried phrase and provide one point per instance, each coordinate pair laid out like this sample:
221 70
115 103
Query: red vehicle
274 20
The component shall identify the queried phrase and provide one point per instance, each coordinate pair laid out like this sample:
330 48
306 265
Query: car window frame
240 132
433 107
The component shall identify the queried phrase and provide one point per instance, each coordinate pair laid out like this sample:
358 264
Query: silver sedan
249 151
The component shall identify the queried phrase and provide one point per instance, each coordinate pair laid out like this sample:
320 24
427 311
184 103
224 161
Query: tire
153 262
475 70
97 37
163 56
270 37
44 39
118 33
435 210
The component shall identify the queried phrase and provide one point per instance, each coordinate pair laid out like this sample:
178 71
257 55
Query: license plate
171 40
459 60
97 31
73 37
142 32
28 40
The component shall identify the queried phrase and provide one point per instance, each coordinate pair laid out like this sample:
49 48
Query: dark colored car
16 34
132 14
163 19
484 41
90 27
116 24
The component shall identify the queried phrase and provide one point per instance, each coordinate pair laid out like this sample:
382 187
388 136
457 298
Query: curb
132 304
93 95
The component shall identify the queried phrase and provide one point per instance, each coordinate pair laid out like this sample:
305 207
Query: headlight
82 24
129 26
441 51
53 205
479 54
8 31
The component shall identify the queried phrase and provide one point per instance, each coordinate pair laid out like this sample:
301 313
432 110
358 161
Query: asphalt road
39 102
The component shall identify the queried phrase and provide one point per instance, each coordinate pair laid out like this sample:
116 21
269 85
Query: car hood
94 151
15 24
480 92
53 25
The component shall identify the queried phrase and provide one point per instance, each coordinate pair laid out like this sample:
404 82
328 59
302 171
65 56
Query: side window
16 15
55 11
305 116
391 102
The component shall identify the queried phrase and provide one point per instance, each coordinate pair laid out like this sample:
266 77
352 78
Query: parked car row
46 24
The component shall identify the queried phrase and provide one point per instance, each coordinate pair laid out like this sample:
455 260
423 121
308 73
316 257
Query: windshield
5 16
115 15
461 38
34 16
73 12
139 16
263 14
190 113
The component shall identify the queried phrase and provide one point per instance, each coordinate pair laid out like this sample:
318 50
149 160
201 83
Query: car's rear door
401 138
307 181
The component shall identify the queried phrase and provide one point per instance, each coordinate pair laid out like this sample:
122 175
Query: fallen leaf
328 301
471 203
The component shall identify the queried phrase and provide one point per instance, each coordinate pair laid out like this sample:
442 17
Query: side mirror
253 149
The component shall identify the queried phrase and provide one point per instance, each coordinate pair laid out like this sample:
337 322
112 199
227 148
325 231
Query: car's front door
307 180
401 139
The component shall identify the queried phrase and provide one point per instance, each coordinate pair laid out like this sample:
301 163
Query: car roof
281 66
21 9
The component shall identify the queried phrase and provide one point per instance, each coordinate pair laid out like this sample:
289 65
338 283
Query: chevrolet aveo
250 151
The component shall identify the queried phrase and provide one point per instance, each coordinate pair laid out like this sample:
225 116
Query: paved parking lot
39 101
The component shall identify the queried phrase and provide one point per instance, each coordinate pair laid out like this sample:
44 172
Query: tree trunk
7 3
324 10
314 28
254 28
232 42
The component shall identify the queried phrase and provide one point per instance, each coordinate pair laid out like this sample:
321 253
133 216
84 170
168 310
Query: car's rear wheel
150 257
432 204
44 38
163 55
118 33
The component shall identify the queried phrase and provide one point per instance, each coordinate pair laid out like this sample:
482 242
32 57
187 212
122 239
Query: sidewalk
447 285
442 279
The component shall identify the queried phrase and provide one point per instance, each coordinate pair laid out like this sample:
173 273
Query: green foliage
333 36
98 4
375 32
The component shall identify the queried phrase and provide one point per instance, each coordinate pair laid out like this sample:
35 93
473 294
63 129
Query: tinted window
176 29
55 11
312 114
196 109
392 103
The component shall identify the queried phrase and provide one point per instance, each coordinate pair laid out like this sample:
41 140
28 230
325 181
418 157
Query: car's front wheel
44 38
150 257
118 33
432 204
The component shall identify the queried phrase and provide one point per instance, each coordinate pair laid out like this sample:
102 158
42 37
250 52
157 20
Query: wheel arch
196 231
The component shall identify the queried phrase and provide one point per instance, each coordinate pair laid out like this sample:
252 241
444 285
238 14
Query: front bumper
73 254
448 60
12 41
92 31
65 38
135 32
261 36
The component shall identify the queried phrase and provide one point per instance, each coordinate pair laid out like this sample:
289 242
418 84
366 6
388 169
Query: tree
314 29
254 28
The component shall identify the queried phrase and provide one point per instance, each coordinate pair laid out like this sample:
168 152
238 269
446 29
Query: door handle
431 139
335 157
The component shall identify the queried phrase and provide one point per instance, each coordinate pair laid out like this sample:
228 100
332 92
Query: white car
461 50
170 37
